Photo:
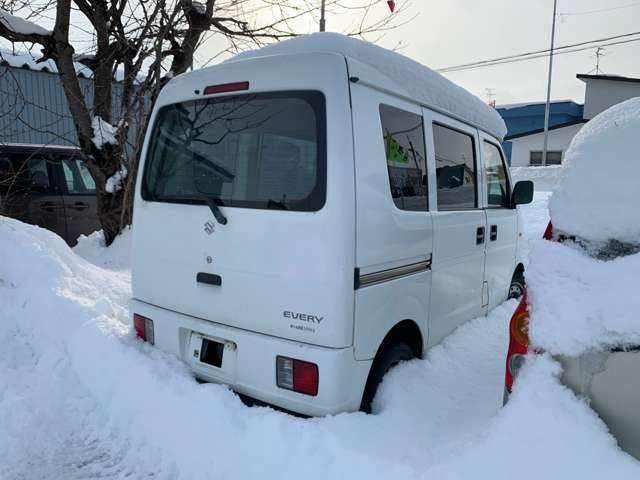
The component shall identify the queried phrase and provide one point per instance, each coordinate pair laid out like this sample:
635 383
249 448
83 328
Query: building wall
602 94
559 139
34 109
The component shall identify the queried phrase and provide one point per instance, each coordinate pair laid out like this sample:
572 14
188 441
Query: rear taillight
297 375
144 328
548 233
518 342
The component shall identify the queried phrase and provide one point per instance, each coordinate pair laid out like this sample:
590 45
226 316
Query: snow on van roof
419 82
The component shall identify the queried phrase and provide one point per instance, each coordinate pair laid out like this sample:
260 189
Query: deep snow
598 196
81 398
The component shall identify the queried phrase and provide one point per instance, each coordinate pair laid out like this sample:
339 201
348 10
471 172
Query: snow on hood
421 83
580 304
598 196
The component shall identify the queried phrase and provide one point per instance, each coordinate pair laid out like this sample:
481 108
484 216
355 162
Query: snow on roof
419 82
26 60
20 25
598 196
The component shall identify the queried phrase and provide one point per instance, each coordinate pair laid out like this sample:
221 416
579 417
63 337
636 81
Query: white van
311 214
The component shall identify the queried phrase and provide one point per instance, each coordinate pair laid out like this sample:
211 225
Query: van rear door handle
480 236
493 234
209 279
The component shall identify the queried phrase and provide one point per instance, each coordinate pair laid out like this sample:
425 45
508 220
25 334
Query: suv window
455 168
34 175
404 146
77 177
495 176
265 150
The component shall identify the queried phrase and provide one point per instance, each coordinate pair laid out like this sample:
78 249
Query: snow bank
545 179
20 25
81 398
580 304
598 197
93 249
418 81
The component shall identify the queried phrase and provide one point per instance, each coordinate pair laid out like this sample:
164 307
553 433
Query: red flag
392 5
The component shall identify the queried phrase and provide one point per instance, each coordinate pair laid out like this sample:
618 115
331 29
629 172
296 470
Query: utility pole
322 19
548 105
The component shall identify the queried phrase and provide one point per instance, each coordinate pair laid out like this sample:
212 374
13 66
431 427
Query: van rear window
264 150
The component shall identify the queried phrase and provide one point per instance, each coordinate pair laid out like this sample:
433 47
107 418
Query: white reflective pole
322 20
548 105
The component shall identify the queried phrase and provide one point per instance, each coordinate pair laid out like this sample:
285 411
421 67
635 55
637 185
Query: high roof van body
303 223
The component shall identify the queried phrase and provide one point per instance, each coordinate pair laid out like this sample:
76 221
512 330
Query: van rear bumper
249 362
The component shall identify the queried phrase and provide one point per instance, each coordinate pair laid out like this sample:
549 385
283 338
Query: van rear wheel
518 286
389 357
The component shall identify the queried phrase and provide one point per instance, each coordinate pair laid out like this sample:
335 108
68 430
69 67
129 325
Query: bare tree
148 42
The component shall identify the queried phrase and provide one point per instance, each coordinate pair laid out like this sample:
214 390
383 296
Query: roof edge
541 130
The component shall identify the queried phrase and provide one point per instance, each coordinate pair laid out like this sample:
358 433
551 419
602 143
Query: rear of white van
244 236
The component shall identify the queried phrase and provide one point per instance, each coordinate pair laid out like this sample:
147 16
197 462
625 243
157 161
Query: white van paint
325 286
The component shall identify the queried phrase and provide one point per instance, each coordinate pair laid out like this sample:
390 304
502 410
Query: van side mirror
522 193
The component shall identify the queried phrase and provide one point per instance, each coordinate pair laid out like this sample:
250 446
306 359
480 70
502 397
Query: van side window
34 175
495 176
455 169
404 146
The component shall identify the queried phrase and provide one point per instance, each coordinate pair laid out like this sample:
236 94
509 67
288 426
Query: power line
541 53
544 55
600 10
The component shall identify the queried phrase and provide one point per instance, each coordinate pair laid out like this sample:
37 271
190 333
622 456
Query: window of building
455 169
404 146
553 158
496 179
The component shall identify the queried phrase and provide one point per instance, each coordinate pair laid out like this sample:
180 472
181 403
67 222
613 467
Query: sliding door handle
480 236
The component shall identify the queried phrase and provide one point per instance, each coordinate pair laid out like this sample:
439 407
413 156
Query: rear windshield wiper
215 209
275 205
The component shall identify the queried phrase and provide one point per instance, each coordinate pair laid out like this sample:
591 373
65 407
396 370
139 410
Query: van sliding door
459 225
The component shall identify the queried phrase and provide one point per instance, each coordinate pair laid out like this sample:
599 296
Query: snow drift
416 80
598 196
580 304
80 397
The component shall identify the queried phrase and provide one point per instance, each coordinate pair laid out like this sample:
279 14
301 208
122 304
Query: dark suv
50 187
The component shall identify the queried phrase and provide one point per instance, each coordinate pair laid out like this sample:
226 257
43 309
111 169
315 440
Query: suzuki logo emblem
209 227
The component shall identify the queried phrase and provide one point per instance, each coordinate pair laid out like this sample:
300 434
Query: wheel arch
406 331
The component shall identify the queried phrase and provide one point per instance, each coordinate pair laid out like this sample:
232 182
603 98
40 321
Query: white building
524 141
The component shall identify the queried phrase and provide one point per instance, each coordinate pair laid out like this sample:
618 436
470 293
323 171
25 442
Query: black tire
518 286
386 359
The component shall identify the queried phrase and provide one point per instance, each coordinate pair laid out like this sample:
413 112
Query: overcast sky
454 32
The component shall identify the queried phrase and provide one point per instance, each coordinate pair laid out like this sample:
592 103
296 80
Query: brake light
226 87
144 328
297 375
518 342
548 233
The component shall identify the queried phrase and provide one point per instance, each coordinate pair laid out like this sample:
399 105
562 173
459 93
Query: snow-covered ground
80 397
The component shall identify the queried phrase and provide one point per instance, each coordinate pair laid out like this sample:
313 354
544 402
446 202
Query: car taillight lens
297 375
518 342
548 233
144 328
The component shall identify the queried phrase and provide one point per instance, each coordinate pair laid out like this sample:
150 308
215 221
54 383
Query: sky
454 32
